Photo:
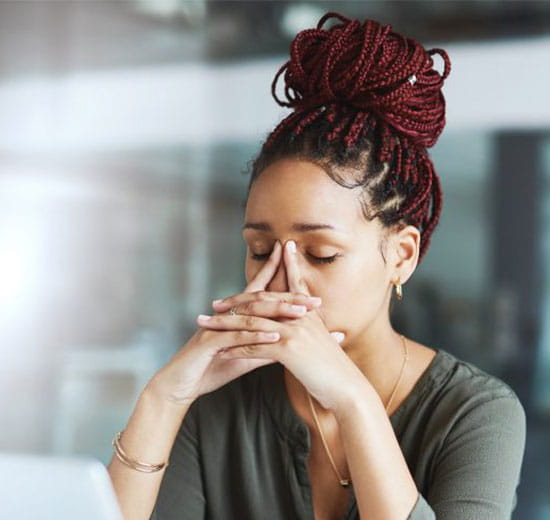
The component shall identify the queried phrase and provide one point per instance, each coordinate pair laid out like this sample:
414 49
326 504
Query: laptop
48 487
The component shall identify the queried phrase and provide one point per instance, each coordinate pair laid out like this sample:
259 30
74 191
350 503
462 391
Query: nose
279 281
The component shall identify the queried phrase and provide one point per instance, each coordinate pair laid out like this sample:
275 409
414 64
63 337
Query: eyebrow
301 227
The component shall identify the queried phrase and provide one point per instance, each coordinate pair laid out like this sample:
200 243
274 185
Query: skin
350 379
356 288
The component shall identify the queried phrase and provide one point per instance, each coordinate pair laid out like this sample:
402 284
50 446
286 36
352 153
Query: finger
295 283
237 322
251 364
272 309
254 351
265 274
223 339
244 298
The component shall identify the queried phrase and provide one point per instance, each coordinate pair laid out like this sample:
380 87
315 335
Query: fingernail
315 300
215 302
291 246
298 308
204 317
219 303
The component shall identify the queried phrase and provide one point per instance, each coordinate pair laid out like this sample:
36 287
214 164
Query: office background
126 129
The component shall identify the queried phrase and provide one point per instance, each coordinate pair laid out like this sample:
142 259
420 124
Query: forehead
292 190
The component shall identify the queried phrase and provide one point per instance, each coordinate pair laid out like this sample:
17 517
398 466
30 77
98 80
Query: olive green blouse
241 452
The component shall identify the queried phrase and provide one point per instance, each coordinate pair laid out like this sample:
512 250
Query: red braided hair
358 88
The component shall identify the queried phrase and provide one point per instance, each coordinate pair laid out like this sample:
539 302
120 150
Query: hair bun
370 67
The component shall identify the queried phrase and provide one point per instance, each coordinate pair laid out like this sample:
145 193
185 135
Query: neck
378 352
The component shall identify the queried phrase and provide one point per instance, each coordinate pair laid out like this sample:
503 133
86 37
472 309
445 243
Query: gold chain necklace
346 482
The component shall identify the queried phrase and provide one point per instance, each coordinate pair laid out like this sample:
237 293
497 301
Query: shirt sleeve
181 495
477 470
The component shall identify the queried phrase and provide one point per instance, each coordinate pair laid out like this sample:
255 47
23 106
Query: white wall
491 85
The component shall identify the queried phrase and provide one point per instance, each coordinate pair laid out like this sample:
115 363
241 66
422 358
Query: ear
403 249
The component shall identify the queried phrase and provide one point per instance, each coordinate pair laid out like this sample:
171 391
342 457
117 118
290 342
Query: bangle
140 466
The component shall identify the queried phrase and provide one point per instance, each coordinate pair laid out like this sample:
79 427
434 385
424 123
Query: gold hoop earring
398 290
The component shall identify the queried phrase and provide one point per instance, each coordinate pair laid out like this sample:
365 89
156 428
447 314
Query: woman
336 415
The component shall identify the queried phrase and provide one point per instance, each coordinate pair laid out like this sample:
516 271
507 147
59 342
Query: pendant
345 482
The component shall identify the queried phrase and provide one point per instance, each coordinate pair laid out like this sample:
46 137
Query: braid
366 97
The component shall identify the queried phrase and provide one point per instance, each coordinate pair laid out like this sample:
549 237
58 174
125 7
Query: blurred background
126 131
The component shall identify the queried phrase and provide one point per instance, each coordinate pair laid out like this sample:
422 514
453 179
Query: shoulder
468 384
453 395
470 438
467 397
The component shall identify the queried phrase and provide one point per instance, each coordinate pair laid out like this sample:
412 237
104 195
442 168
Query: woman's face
291 194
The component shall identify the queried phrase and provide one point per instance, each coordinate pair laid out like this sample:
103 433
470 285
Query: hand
196 369
305 347
270 304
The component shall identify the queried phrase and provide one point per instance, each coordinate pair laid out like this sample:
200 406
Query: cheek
352 294
335 286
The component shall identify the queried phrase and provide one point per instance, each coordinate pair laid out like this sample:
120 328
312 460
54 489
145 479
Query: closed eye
316 259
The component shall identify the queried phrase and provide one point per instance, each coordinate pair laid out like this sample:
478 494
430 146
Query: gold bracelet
134 464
